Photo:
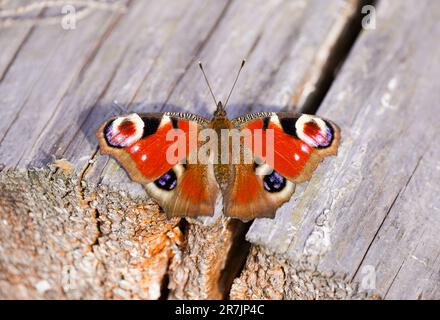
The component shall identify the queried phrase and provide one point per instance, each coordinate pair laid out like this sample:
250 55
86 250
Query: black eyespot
288 125
150 125
274 182
167 182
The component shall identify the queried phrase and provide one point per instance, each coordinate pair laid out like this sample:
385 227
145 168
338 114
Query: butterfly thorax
220 112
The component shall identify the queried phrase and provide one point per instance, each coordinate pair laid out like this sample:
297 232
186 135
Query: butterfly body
189 186
218 123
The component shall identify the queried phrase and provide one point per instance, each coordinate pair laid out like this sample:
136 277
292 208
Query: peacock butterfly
284 147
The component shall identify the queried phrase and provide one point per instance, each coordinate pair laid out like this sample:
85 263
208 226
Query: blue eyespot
274 182
167 182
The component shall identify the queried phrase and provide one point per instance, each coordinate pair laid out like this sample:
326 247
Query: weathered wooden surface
372 214
72 225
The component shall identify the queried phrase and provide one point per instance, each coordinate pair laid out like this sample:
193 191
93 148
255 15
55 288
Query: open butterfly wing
141 143
292 145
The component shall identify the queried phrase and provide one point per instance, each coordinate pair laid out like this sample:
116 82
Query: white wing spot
304 148
296 156
144 157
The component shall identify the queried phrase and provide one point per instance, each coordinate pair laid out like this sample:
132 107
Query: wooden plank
370 215
44 68
11 41
409 235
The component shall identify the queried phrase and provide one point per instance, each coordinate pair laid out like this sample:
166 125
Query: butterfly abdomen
222 170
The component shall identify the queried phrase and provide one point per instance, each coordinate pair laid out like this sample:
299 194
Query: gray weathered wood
372 213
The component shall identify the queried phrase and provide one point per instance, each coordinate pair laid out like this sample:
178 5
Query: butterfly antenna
236 78
207 82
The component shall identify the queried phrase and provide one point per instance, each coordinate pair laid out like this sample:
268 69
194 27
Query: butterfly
140 142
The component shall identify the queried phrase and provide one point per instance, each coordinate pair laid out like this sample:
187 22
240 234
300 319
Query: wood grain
371 214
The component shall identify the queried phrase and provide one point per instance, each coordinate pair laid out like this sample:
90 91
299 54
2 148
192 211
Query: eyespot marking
124 131
167 182
274 182
314 131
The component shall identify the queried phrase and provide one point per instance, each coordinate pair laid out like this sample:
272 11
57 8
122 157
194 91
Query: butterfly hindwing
140 144
186 190
250 195
298 142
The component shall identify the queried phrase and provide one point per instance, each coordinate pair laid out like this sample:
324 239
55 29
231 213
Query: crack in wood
402 189
165 290
95 216
86 202
236 259
15 55
329 69
394 279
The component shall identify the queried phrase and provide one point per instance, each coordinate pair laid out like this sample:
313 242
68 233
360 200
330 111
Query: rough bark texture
57 242
197 274
273 277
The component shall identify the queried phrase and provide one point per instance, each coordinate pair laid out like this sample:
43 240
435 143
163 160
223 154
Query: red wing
297 144
300 142
194 193
139 142
247 197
